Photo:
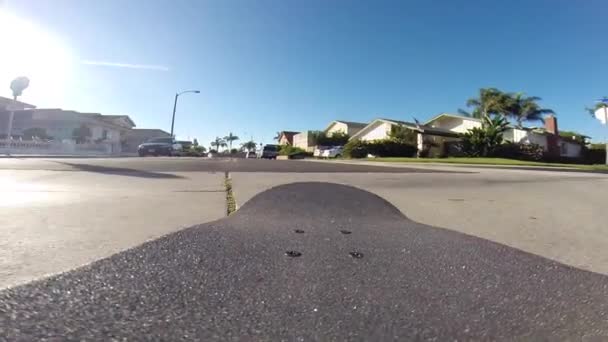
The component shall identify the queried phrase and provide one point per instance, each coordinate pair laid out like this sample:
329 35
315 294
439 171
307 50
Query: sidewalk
460 167
43 156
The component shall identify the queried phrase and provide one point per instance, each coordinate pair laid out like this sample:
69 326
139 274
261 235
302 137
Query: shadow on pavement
120 171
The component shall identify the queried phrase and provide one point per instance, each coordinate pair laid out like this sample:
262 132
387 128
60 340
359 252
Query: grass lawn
488 161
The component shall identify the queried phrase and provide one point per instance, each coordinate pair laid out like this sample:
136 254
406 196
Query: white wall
569 149
526 137
379 131
337 127
458 125
303 140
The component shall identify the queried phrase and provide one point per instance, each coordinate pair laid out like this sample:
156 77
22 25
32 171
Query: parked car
270 152
159 147
333 152
318 152
251 154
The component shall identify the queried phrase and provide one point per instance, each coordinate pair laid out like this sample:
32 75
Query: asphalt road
149 166
313 261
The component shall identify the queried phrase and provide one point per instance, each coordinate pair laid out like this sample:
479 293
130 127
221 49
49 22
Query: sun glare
31 51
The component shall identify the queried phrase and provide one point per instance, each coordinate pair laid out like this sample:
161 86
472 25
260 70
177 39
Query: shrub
403 134
336 139
596 154
198 148
391 148
379 148
288 150
532 152
482 141
355 149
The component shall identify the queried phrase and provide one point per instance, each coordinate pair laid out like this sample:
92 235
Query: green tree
249 146
335 139
230 138
491 101
403 134
572 135
82 134
592 110
38 132
194 142
483 141
218 143
525 108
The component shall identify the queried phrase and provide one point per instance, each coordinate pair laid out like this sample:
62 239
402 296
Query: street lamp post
603 117
175 106
17 86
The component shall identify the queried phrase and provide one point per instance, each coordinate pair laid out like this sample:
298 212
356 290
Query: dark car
158 147
270 152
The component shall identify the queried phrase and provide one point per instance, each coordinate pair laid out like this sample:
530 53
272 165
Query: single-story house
547 137
286 137
381 128
8 104
348 127
444 128
60 125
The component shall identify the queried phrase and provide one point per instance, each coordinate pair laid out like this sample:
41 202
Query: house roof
5 101
458 116
437 131
351 124
115 117
288 135
393 122
147 132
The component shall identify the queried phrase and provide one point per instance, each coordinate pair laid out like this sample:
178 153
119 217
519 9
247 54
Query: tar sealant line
230 200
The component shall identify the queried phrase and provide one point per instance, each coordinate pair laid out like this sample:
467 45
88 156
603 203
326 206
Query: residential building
547 137
304 140
7 104
348 127
446 128
286 137
61 125
137 136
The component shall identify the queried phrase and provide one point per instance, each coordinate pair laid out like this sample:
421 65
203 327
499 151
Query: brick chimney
551 124
553 137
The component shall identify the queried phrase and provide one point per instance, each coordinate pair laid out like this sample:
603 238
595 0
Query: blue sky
265 65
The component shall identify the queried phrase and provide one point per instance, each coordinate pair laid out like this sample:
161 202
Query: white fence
56 148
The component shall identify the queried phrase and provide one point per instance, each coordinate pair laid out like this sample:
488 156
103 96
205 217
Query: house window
563 149
104 134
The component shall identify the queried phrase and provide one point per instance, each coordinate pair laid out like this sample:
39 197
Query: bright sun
31 51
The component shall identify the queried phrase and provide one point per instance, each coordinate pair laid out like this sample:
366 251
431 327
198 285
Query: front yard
488 161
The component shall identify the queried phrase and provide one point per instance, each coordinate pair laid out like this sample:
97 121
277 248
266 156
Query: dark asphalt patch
231 280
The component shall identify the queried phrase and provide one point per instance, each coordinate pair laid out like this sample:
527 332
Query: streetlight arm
189 91
175 106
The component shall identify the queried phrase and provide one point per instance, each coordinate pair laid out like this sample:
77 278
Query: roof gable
373 124
449 115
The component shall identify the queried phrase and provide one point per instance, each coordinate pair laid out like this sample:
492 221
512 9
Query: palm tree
218 143
491 101
277 137
598 105
249 145
525 108
230 138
